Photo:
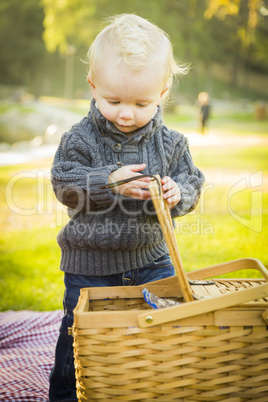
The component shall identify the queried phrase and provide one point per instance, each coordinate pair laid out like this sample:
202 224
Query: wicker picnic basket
213 346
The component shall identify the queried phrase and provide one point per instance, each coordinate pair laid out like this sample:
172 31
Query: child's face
127 98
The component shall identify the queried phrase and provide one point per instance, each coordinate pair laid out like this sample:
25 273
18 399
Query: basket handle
203 306
227 267
164 217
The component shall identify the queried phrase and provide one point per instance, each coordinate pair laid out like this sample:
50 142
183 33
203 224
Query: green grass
230 222
213 235
30 278
243 159
29 254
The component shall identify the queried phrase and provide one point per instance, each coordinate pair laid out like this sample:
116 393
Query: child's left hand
171 191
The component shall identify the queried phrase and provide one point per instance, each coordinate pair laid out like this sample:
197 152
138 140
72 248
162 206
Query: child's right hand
137 188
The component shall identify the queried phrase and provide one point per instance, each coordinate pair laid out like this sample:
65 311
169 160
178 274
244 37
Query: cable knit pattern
107 233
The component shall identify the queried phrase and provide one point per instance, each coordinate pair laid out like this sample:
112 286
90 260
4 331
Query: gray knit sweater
109 234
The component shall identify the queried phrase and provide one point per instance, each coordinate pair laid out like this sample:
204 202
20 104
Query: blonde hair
136 42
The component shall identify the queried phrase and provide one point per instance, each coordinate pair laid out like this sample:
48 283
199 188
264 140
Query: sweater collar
107 128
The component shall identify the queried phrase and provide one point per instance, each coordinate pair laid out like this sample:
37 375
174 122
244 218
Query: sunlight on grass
219 230
30 277
245 159
29 254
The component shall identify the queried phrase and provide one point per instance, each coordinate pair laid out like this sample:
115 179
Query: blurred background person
204 110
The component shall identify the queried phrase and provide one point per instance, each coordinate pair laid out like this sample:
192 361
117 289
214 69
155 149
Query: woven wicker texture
225 286
170 362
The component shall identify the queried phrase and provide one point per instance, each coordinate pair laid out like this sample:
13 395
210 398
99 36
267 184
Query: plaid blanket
27 348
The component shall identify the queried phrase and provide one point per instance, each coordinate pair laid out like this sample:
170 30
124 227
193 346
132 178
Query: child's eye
113 102
142 104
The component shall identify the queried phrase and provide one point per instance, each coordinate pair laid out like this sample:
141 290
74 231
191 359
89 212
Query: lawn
230 222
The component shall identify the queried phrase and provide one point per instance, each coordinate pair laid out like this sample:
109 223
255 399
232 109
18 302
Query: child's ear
93 88
166 87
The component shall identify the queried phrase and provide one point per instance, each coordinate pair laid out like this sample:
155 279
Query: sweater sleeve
188 177
75 182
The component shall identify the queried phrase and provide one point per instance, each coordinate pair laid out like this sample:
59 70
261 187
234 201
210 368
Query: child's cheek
107 112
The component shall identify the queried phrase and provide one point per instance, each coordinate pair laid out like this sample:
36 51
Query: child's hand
171 191
137 188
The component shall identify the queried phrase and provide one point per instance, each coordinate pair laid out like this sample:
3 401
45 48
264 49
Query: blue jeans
62 377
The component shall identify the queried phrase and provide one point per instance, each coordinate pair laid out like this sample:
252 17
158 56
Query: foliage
196 29
36 35
21 45
249 17
231 32
68 23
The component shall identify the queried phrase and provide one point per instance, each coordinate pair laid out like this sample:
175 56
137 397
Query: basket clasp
265 316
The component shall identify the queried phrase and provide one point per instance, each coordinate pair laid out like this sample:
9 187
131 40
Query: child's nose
126 113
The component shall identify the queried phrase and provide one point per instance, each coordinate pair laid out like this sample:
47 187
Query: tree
202 32
21 45
246 16
68 23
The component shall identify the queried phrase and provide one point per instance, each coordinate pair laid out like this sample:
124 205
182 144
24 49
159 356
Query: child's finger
174 198
140 194
171 193
167 183
142 183
136 168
